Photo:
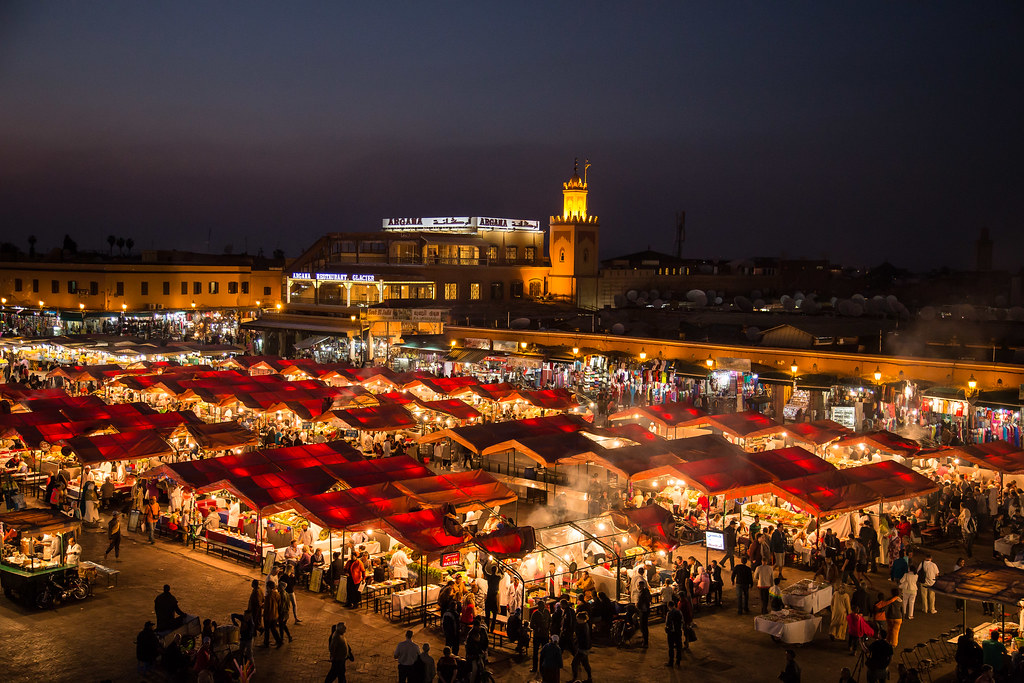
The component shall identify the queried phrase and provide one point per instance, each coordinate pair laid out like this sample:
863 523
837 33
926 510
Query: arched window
586 255
561 255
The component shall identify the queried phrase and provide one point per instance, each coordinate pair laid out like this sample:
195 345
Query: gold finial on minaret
586 165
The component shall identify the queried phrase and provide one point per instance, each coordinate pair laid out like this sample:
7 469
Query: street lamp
793 368
452 343
575 350
878 374
41 302
972 384
279 307
643 355
124 307
709 361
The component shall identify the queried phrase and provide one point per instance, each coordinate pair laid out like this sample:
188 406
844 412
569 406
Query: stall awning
1000 456
383 418
827 493
983 582
817 382
891 480
467 355
466 491
745 425
124 446
668 415
730 475
789 463
422 531
460 410
887 442
548 449
815 433
37 522
478 437
220 436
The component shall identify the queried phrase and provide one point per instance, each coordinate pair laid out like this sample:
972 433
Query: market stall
37 555
789 626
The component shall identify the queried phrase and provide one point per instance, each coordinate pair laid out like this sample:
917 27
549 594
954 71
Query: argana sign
459 223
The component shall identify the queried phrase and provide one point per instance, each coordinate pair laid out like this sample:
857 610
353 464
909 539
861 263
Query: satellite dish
697 297
799 296
753 333
756 294
618 328
743 303
759 304
654 294
788 303
519 323
658 303
858 298
718 301
631 295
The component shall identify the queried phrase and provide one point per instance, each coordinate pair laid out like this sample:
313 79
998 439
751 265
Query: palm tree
31 245
111 240
120 245
129 243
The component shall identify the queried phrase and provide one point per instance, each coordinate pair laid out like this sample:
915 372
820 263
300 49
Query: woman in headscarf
840 609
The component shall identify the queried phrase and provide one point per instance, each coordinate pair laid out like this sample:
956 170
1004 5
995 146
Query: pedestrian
450 627
147 648
493 578
791 672
255 606
643 610
584 641
551 661
246 632
674 633
168 613
427 666
763 576
925 581
743 579
447 667
893 616
271 615
908 593
540 624
406 654
341 653
152 513
477 643
840 610
287 585
878 658
730 545
114 534
778 548
282 612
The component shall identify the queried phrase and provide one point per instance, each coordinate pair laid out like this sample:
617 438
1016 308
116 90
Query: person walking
406 654
926 579
246 632
908 593
282 611
878 658
426 665
643 610
147 648
840 610
743 579
778 547
450 627
551 661
730 545
477 643
271 614
893 616
152 512
540 624
340 651
255 606
674 634
114 534
584 641
765 581
287 585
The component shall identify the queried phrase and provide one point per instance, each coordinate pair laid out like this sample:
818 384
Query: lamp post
81 309
643 355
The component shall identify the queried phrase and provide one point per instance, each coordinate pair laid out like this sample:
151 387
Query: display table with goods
807 596
1010 636
771 515
411 599
789 626
241 547
35 571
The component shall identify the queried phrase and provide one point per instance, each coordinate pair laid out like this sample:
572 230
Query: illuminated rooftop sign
459 224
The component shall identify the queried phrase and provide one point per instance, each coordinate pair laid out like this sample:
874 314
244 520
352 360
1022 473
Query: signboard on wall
451 559
442 223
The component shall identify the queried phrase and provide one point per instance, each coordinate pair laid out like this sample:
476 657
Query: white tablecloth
412 597
795 632
1004 546
811 603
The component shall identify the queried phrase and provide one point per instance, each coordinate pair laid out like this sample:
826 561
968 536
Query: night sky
863 132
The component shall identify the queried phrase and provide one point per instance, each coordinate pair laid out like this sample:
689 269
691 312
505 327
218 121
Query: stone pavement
93 640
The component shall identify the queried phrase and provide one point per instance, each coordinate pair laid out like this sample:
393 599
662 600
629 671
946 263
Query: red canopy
383 418
789 463
422 530
887 442
827 492
746 425
337 510
816 433
668 415
891 480
731 474
265 491
465 490
1000 456
220 436
454 407
123 446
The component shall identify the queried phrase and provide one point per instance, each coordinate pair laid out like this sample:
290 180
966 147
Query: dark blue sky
862 131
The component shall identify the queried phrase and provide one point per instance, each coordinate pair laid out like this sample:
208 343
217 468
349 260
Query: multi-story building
158 280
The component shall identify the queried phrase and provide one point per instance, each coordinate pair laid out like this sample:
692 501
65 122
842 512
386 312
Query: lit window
530 254
474 291
451 291
511 254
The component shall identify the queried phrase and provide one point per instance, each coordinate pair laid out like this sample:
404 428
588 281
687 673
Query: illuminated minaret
573 245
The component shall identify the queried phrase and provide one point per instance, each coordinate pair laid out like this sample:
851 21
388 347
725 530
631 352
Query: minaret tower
573 245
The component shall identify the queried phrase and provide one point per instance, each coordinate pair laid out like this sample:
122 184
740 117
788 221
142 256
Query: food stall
788 626
27 566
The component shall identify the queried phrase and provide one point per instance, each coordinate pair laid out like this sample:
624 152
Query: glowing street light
710 361
878 374
643 355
